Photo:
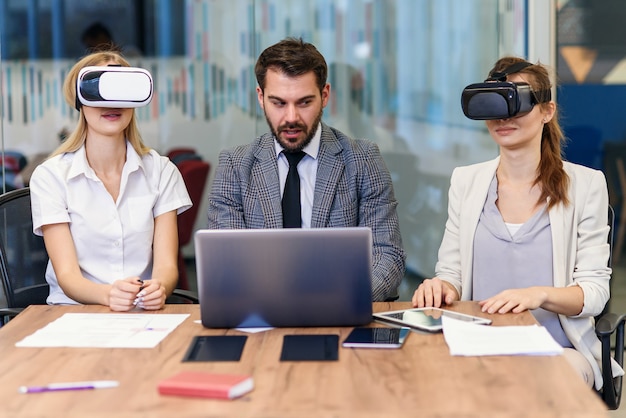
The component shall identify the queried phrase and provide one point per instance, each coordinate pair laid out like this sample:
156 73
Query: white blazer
580 248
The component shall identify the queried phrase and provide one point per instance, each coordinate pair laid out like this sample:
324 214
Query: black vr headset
497 98
113 86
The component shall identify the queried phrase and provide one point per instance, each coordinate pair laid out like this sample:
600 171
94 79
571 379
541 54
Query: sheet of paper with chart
108 330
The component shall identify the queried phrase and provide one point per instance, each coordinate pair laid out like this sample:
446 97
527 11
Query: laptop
284 277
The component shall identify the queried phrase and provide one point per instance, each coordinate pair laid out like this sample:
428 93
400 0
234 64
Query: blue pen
54 387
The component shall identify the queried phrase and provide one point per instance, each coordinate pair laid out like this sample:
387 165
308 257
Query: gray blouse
502 261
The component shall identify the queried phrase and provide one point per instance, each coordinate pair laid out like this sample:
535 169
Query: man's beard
308 131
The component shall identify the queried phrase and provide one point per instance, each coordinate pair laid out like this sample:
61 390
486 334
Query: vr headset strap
542 96
512 69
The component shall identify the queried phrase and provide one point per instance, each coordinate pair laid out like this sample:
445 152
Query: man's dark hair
97 38
292 57
96 30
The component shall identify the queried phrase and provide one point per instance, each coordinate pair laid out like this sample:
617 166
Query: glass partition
397 69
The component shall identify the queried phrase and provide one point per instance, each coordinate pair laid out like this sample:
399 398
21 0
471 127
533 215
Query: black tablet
215 348
314 347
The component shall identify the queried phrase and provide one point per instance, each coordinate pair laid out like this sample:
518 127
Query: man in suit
343 182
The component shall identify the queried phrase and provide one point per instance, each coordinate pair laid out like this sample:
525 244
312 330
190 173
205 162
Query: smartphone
425 319
362 337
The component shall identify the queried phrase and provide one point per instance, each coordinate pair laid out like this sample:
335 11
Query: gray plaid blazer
353 188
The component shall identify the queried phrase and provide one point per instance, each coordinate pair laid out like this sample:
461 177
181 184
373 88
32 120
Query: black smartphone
362 337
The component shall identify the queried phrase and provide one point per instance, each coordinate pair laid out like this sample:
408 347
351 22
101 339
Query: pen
53 387
138 298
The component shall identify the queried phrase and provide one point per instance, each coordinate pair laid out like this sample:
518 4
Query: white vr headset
113 86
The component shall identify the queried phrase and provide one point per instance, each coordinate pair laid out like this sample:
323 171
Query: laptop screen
284 277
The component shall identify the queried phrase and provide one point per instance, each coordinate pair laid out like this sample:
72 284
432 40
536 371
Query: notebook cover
206 385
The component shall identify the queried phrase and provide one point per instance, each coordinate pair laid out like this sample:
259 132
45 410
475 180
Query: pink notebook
207 385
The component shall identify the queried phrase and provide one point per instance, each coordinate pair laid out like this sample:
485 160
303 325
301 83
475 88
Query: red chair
195 174
175 152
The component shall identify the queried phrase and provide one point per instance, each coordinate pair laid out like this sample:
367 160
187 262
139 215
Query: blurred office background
397 69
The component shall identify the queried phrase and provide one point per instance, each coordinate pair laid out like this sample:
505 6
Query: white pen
53 387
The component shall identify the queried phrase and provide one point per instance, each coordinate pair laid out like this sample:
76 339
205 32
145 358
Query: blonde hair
77 138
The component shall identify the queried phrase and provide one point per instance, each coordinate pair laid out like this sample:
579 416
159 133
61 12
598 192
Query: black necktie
292 217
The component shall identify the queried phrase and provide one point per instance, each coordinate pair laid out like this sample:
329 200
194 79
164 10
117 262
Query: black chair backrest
611 223
23 256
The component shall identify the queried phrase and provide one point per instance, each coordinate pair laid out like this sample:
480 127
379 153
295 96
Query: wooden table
419 380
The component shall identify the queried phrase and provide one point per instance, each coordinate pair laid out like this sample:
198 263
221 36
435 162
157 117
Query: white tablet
426 319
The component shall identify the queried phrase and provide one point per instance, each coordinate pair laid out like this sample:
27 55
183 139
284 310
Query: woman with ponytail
527 230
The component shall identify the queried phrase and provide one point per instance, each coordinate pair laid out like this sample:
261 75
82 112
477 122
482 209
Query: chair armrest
7 313
606 326
31 295
183 296
608 323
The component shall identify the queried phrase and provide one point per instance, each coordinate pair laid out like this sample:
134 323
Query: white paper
104 330
248 330
468 339
254 330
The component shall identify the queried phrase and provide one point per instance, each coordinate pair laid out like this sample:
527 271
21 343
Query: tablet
215 348
362 337
426 319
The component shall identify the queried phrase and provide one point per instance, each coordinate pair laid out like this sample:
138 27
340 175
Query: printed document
468 339
114 330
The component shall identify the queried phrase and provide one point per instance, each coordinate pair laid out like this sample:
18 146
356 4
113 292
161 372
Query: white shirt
307 169
113 240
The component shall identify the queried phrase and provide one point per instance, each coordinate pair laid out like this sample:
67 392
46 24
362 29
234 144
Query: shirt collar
313 147
80 165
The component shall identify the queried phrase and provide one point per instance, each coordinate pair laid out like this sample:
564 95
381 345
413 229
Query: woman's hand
433 293
152 296
515 300
123 293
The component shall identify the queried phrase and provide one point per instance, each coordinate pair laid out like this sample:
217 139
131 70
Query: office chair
23 256
175 153
608 324
195 173
178 159
11 164
621 231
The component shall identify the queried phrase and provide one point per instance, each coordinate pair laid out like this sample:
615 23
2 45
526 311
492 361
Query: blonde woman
106 205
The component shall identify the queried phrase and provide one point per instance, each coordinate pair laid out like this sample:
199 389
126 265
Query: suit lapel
264 179
330 167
